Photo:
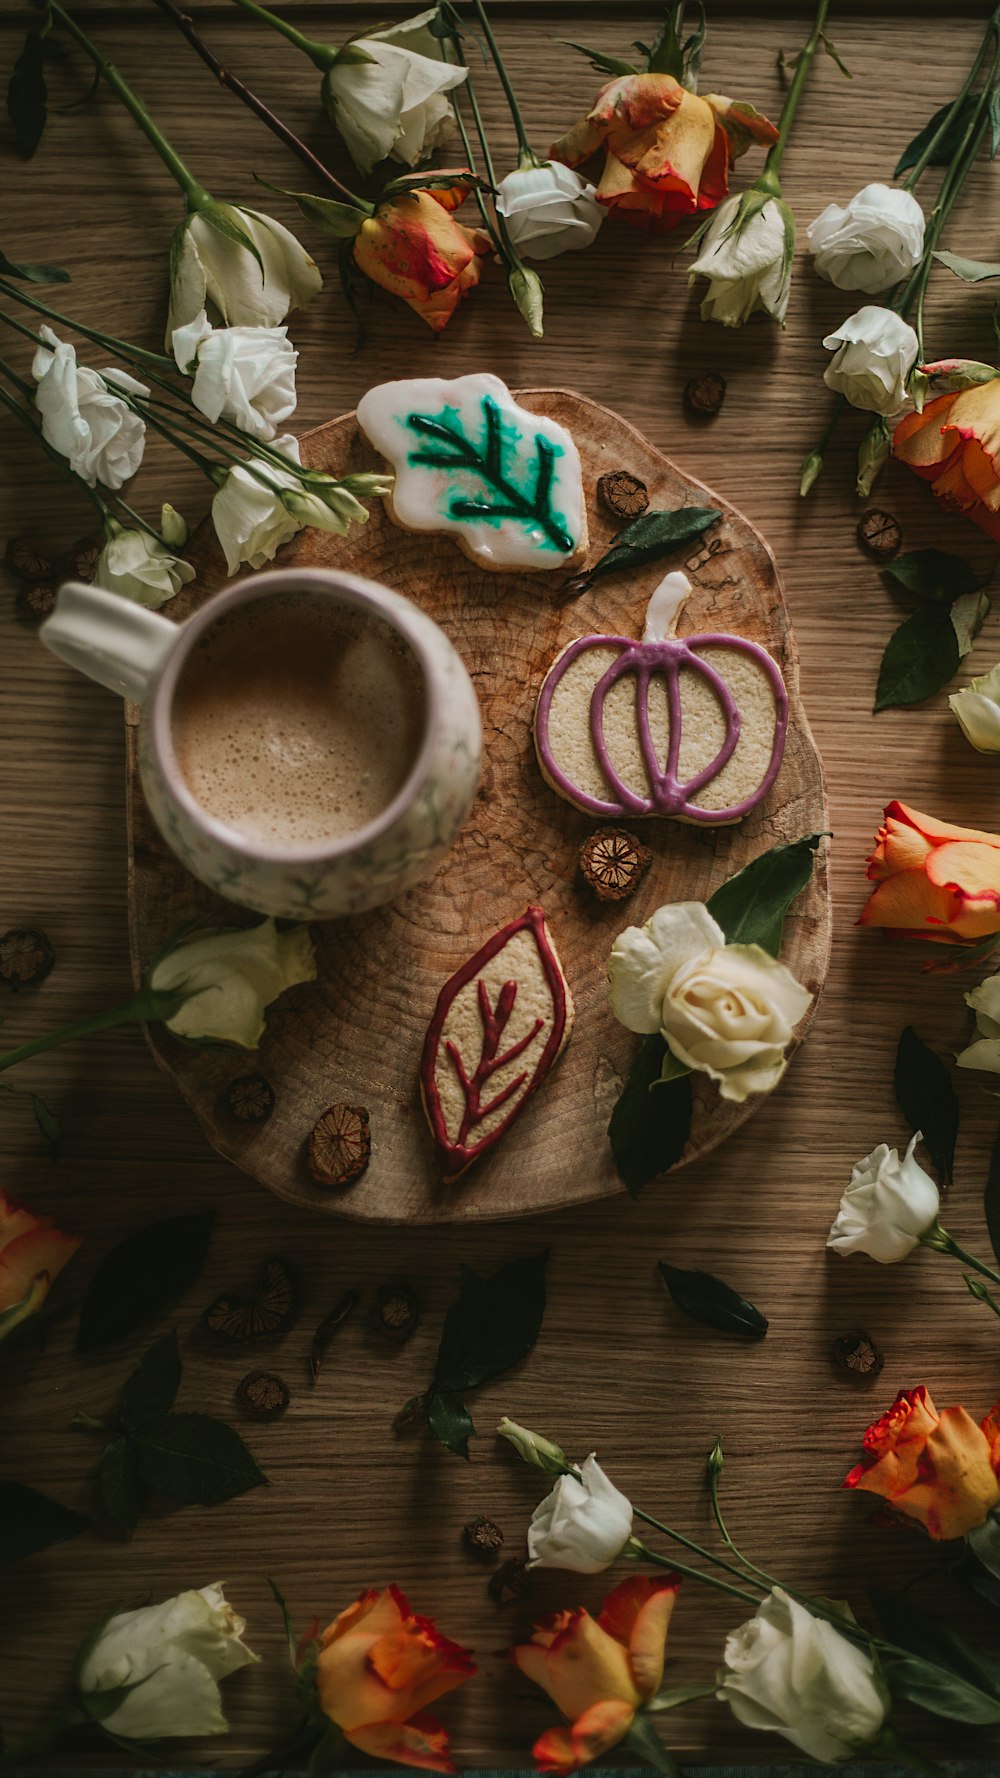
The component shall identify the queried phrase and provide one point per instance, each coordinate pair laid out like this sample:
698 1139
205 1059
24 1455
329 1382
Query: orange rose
377 1668
955 445
601 1671
937 1468
32 1254
413 247
933 880
668 151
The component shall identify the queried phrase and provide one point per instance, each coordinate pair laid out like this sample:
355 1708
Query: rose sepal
948 375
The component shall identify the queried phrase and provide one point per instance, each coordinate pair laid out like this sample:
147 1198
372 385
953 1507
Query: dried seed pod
879 533
857 1355
270 1310
484 1538
36 600
24 561
705 395
250 1098
327 1328
25 957
340 1145
84 557
397 1309
508 1582
613 863
622 493
263 1394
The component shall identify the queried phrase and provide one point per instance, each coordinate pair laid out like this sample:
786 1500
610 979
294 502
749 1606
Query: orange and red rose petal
938 1469
598 1729
933 880
31 1260
414 248
421 1742
954 443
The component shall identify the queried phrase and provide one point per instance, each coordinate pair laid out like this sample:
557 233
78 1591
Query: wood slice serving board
356 1034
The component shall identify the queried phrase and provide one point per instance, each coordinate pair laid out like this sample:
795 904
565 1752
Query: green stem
769 180
26 419
107 340
921 164
939 1240
196 196
981 1294
528 156
148 1006
764 1578
696 1548
721 1586
322 55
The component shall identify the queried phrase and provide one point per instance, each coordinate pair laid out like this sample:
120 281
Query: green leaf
968 614
950 141
492 1324
941 1672
451 1422
984 1543
831 51
973 271
991 1198
651 1122
927 1099
523 484
231 231
751 906
195 1459
602 63
693 50
932 575
645 539
152 1388
120 1486
665 56
27 96
142 1277
920 657
342 221
710 1301
33 274
49 1125
30 1521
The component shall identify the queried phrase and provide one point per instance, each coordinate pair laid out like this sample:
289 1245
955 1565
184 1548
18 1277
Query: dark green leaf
991 1198
932 575
925 1635
27 96
913 1680
971 1573
927 1099
152 1388
49 1125
451 1422
598 60
30 1521
492 1325
984 1543
34 274
342 221
651 1122
974 271
712 1302
920 657
950 141
195 1460
751 907
142 1277
665 55
645 539
120 1486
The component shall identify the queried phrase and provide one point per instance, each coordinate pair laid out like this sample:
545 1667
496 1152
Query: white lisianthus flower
549 210
977 711
581 1525
243 374
748 263
874 352
99 434
795 1675
728 1011
250 520
232 978
141 567
886 1208
984 1051
869 243
166 1661
532 1448
335 509
393 101
211 264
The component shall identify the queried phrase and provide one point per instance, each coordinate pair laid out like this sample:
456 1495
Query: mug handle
120 644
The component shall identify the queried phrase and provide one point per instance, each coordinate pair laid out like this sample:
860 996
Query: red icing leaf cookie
500 1023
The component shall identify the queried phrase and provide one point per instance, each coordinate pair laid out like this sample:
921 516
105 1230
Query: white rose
210 264
869 243
231 979
984 1052
727 1010
886 1208
795 1675
748 264
243 374
874 352
977 710
173 1655
139 566
549 210
394 103
250 520
581 1525
99 434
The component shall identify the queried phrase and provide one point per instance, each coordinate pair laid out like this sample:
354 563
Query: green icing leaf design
495 459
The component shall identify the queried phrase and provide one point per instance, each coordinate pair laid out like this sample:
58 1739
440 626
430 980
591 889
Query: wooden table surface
350 1502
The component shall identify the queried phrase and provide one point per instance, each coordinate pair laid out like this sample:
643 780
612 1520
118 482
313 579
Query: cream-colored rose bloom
977 711
984 1051
210 267
869 243
164 1663
583 1524
873 354
886 1208
231 978
250 519
748 265
394 102
141 567
243 374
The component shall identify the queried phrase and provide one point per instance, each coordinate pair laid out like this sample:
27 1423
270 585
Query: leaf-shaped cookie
500 1023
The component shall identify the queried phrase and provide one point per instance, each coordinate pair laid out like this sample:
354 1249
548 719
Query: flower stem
696 1548
26 419
791 105
148 1006
196 196
528 156
940 1241
322 55
977 1289
710 1580
921 164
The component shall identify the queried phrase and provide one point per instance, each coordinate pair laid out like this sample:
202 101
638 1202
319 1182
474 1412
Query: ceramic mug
142 655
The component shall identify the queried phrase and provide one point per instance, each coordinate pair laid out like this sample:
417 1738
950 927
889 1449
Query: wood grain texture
356 1038
616 1368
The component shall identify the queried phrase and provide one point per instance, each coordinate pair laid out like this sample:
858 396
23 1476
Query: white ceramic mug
142 655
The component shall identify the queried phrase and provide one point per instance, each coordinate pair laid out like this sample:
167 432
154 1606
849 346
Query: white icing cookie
504 482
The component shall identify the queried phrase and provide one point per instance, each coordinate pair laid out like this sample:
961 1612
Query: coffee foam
298 720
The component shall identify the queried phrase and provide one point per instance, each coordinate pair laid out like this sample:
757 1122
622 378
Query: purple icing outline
671 654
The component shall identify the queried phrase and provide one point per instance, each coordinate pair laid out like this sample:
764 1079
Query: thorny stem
150 1005
322 55
769 180
528 156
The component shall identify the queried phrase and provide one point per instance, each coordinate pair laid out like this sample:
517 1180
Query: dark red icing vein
458 1154
669 796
